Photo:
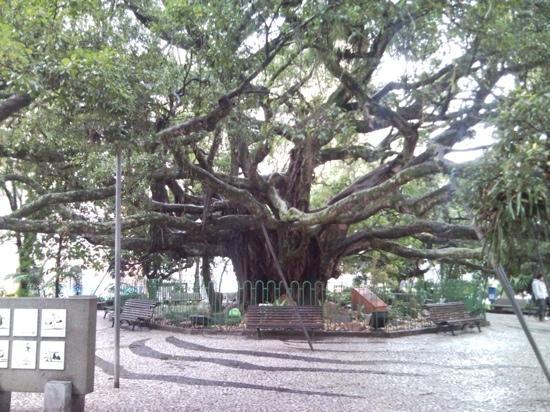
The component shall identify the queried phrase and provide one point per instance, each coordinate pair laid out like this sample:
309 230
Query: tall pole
507 287
118 235
510 293
285 283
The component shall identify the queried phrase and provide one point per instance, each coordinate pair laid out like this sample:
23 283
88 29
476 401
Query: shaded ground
488 371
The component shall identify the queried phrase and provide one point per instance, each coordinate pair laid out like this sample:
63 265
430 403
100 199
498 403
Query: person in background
540 293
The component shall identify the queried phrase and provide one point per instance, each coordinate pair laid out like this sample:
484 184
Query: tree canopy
328 122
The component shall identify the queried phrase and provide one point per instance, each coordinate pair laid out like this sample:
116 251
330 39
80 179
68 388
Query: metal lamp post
118 236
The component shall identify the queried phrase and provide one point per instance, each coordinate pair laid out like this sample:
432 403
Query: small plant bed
400 326
355 329
402 318
391 326
198 316
186 326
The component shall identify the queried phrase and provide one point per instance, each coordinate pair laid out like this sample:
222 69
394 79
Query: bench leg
259 333
442 326
478 327
452 329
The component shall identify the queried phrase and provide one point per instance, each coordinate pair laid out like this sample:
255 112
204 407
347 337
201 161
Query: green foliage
31 282
179 315
343 297
471 293
521 283
377 268
104 76
409 308
509 191
410 304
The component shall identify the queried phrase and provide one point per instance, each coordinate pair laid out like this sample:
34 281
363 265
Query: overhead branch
361 204
176 207
459 130
26 180
371 179
389 87
36 154
54 226
420 206
13 104
87 227
439 229
49 199
201 123
232 193
453 253
373 57
173 37
209 121
172 241
166 174
192 209
368 154
394 118
451 73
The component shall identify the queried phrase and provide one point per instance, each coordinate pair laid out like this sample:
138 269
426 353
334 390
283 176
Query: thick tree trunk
58 267
214 298
197 280
299 256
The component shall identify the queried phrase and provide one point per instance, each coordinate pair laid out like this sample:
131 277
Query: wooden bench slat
137 312
284 317
447 315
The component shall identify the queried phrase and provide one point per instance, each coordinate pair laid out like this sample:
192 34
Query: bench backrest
138 309
447 311
284 317
505 302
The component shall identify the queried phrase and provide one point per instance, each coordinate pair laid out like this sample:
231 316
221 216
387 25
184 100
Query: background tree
512 206
233 115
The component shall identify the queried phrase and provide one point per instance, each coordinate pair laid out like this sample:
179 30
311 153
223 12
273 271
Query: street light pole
118 235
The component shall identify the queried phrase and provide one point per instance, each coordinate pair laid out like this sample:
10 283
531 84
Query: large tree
326 122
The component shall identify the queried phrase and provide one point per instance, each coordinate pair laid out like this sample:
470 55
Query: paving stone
164 371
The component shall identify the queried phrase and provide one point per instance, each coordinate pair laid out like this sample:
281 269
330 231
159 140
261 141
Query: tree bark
13 104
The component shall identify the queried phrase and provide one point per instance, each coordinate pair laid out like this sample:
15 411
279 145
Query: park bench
107 310
136 312
284 318
450 315
503 305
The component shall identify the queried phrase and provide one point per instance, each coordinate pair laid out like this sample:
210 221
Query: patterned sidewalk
162 371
